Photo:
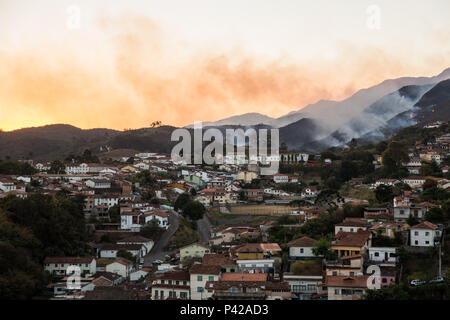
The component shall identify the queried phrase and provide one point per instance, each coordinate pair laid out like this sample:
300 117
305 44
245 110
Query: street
204 228
158 251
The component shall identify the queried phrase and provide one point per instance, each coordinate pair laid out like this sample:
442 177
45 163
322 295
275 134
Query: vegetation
152 230
439 291
32 229
16 167
186 234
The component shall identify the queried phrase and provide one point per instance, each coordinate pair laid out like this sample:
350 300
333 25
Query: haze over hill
369 115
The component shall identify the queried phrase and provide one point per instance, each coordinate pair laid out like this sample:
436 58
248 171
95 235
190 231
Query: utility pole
440 260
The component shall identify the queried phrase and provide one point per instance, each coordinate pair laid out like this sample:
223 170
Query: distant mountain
58 141
51 141
433 105
253 119
376 115
301 132
369 115
336 113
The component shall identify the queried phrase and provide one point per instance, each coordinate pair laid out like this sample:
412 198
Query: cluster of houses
238 261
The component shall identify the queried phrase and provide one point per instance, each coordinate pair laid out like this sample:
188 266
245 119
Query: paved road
158 251
204 229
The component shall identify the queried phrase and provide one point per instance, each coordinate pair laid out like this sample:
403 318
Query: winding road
204 229
158 251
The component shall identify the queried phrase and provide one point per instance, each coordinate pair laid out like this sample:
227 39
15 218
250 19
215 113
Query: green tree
412 221
151 230
194 210
182 200
322 249
126 255
435 215
384 193
57 167
393 157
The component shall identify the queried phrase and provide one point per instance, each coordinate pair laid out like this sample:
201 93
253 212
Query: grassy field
357 193
267 210
421 266
184 235
218 219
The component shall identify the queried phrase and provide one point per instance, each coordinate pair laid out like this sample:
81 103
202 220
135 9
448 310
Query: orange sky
128 68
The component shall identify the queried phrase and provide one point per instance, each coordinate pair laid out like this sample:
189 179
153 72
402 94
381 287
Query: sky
125 64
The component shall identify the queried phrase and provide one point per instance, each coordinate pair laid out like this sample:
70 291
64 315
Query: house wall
118 268
338 229
61 268
197 284
301 252
379 254
422 238
193 251
336 293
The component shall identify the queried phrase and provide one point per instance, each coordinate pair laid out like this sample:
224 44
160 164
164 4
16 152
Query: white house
82 168
387 182
383 255
309 191
404 208
7 185
109 250
147 244
303 286
414 181
199 275
121 266
160 216
424 234
98 183
139 274
130 221
256 265
108 200
174 285
58 266
280 178
301 248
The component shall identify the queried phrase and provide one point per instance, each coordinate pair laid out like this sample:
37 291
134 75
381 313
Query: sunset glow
133 62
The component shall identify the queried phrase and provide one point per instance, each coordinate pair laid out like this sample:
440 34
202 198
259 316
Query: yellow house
351 243
256 251
195 250
128 169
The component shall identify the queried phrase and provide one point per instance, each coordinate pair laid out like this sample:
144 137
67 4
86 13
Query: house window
336 291
199 278
352 273
334 273
377 254
427 242
416 242
416 233
199 289
183 295
351 229
301 250
211 278
427 233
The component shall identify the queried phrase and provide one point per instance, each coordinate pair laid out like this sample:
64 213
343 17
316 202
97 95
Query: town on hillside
364 221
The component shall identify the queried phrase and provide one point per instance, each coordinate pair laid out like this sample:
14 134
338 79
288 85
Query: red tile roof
234 276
